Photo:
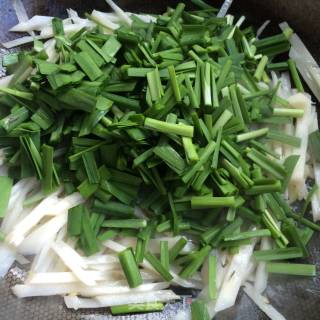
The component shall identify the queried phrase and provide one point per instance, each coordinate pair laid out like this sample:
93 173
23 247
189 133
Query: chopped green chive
156 264
125 224
212 276
137 308
198 307
6 186
292 269
165 127
130 268
176 249
278 254
164 254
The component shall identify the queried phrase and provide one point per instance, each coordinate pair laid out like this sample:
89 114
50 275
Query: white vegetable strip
7 258
43 260
36 23
297 185
144 17
261 276
47 32
262 28
15 206
20 10
105 267
306 64
119 12
66 203
263 303
5 81
224 8
154 244
101 259
74 255
114 246
66 277
234 278
16 236
47 232
135 297
20 41
183 282
104 19
106 288
67 256
315 201
74 302
50 47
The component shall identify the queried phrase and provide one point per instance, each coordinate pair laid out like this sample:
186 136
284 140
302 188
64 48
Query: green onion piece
137 308
17 93
314 142
156 264
260 68
223 74
284 138
207 202
292 269
252 134
75 220
110 234
192 96
276 169
174 83
88 234
204 157
88 65
199 309
265 188
164 226
306 204
165 127
48 168
278 254
5 186
206 84
130 268
176 249
295 76
91 167
195 264
190 150
248 235
287 112
164 254
212 276
125 224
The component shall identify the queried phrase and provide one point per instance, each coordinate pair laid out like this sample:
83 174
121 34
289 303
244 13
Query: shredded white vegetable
119 12
261 276
73 261
263 303
35 241
234 278
224 8
297 184
262 28
137 297
306 64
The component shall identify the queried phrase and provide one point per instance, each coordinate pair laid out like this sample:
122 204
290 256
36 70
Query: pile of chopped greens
181 117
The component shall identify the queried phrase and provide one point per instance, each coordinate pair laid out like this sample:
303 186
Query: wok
296 298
